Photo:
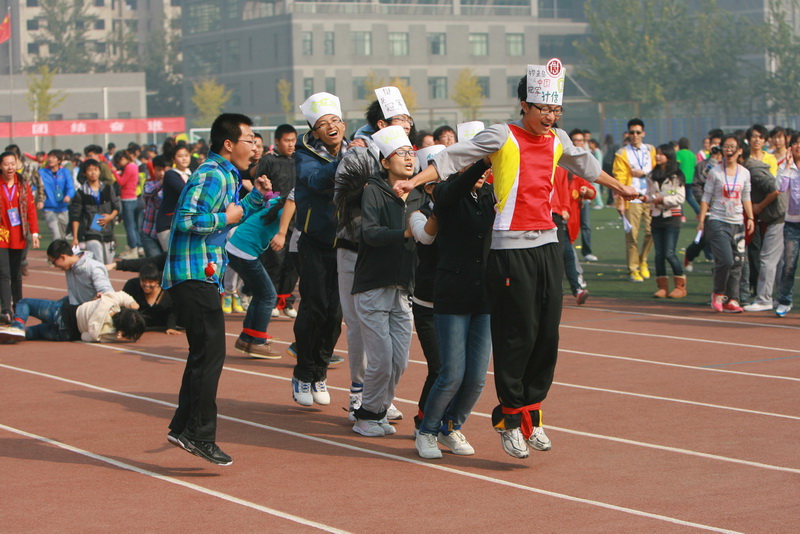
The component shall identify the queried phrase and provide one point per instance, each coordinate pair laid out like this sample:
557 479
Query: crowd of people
463 234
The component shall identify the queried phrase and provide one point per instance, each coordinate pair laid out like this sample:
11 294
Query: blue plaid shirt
200 225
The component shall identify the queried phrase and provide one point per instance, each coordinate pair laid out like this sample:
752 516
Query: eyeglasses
730 147
546 111
403 153
402 118
635 132
333 122
252 142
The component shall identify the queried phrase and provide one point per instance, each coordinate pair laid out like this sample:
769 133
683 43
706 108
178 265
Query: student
128 180
92 213
59 190
444 135
152 195
789 180
87 278
173 183
154 303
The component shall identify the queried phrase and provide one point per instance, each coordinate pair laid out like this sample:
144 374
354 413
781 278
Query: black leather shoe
206 450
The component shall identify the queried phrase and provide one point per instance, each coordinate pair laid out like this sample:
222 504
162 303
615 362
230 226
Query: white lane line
354 448
177 482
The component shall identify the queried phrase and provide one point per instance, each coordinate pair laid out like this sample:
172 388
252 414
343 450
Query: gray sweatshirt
727 208
86 279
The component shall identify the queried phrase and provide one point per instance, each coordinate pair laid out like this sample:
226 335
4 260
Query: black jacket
385 257
84 207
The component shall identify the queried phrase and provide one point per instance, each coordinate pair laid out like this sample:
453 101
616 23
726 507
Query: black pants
426 333
525 296
200 311
10 277
281 270
319 318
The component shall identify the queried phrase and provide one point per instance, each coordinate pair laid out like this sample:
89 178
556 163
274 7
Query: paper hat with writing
546 83
320 104
391 101
468 130
390 139
427 154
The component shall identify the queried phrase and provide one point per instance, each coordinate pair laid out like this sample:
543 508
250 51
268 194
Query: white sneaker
291 313
539 440
783 309
388 429
10 334
276 312
369 428
456 442
355 404
319 392
514 443
301 392
581 282
758 306
244 300
393 414
426 446
590 257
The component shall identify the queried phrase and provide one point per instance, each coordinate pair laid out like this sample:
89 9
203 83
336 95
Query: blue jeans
665 238
129 218
259 312
791 242
151 246
48 312
465 344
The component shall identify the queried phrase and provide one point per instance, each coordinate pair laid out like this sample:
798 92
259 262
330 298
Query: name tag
13 217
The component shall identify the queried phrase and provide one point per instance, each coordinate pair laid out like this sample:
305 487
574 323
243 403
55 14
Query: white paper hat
319 105
427 154
391 101
390 139
467 130
546 83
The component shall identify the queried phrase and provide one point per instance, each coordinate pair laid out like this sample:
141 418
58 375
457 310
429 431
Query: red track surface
660 423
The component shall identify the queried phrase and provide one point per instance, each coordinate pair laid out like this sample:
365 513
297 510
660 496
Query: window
232 50
100 24
360 88
87 116
33 49
308 43
330 47
32 3
80 24
202 17
479 44
55 117
32 24
437 87
483 83
437 44
515 44
560 46
362 43
130 5
398 44
124 115
513 83
330 85
100 47
99 3
308 87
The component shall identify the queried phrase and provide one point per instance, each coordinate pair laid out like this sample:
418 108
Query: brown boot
663 286
680 288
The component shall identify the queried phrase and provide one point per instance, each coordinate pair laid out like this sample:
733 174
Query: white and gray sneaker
388 429
369 428
319 392
539 440
783 309
355 404
393 414
514 443
301 392
456 442
426 446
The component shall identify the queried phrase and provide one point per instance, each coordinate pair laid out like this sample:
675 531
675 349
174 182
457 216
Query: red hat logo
554 67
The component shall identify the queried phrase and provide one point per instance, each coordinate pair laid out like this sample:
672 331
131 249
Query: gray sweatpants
386 323
356 357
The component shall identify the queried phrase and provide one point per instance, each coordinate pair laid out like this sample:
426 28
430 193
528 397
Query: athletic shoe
335 359
388 429
456 442
782 309
172 437
581 297
291 350
393 414
644 271
717 302
276 312
256 350
731 306
9 334
301 392
581 282
244 300
426 446
227 305
539 440
369 428
590 257
687 265
319 392
237 304
207 450
355 404
757 307
514 443
291 313
635 276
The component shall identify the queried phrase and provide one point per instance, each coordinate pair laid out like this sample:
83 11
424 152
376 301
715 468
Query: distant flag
5 29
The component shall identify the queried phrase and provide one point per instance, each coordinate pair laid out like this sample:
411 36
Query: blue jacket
56 187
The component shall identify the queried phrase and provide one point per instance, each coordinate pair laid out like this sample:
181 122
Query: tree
468 94
287 104
64 24
409 95
41 99
209 98
783 50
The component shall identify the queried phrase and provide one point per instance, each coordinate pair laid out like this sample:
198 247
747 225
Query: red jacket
575 203
15 237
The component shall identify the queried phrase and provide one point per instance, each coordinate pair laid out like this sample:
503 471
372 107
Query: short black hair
635 122
522 89
735 137
284 129
683 143
160 161
715 133
111 146
760 128
794 138
57 153
58 248
92 149
575 131
89 163
256 134
374 114
149 271
15 151
227 127
438 132
130 323
6 154
778 130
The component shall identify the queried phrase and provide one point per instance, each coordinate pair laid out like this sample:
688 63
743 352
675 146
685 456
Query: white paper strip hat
391 101
320 104
468 130
427 154
390 139
546 83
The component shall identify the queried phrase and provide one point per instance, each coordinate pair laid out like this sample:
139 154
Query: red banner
94 127
5 30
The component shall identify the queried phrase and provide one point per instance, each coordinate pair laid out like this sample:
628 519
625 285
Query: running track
662 420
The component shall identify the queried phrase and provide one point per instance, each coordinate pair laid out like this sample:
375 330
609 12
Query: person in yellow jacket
632 163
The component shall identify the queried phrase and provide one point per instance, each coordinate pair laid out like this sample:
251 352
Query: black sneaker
206 450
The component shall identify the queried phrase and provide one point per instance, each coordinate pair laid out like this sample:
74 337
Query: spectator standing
92 213
59 190
128 181
687 161
789 180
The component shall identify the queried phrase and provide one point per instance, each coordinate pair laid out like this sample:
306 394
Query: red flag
5 30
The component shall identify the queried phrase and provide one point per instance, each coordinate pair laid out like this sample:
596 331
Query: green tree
409 95
287 104
64 24
468 94
783 49
209 99
42 100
